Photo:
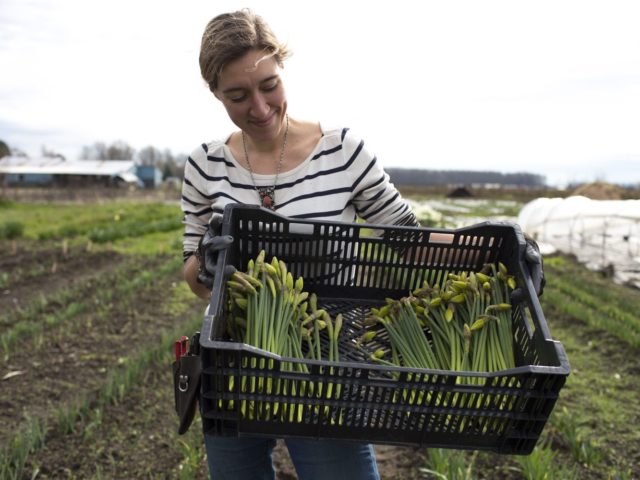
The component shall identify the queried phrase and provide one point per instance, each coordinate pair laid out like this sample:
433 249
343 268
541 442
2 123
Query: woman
300 169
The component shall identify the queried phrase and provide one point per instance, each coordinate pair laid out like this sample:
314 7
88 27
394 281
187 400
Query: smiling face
251 90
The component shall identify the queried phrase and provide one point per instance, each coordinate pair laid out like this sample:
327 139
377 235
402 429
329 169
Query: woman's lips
262 123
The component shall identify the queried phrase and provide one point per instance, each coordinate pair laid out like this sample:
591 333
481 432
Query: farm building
23 171
150 176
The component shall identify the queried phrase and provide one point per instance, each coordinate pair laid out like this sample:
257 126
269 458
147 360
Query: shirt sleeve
375 198
196 206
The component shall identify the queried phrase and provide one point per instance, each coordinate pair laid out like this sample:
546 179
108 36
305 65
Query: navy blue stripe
364 173
205 148
324 172
210 197
315 195
326 152
343 134
370 202
211 158
188 200
401 207
318 214
385 205
374 184
409 220
199 213
218 179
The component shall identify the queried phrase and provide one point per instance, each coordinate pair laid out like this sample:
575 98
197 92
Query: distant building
150 176
23 171
460 192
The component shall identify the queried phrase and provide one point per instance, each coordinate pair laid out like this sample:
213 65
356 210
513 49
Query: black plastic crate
352 267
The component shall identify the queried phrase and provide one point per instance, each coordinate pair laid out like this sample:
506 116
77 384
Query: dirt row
134 439
73 362
601 394
33 271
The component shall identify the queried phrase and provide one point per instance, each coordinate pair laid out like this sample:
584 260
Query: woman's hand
200 268
534 261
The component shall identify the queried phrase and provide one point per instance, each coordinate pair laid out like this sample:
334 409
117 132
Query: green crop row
32 436
32 321
44 221
612 308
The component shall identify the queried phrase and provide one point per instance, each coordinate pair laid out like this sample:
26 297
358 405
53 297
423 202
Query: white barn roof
57 166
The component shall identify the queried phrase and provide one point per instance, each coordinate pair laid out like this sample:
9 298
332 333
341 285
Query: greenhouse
602 234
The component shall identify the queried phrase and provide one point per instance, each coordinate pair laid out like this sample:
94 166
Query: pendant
267 197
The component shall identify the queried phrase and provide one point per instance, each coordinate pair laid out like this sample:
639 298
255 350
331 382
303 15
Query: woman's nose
259 106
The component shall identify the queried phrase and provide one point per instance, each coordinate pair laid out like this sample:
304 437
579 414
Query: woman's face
251 90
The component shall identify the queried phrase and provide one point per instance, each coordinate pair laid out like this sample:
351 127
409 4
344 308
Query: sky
546 87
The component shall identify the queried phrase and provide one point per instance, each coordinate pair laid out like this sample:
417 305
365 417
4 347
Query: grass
11 230
101 222
30 438
541 464
449 464
601 392
594 299
582 447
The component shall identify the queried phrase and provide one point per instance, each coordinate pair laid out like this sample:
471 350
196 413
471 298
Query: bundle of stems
269 310
462 324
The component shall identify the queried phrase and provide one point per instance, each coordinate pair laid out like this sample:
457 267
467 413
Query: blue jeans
249 458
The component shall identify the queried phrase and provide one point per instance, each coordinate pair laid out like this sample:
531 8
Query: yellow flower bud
458 298
448 314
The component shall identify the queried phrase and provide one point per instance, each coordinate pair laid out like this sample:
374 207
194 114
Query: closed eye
270 86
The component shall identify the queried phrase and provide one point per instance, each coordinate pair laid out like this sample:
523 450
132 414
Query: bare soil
30 268
71 361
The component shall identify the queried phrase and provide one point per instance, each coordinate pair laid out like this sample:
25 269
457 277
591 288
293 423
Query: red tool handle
181 347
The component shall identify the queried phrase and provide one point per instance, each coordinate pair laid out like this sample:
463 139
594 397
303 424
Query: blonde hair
229 36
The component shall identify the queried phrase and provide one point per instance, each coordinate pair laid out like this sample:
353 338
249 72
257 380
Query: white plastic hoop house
602 234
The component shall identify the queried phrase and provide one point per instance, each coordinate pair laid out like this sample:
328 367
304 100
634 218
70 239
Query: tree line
170 164
420 177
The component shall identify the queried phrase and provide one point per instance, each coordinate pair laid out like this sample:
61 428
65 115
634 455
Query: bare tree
118 150
150 156
4 149
51 153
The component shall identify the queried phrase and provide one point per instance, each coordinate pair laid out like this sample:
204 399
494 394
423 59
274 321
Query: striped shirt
339 181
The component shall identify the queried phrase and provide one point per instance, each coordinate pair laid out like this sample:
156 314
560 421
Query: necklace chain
267 194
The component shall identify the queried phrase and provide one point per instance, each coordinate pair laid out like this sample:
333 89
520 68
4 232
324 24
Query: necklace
267 194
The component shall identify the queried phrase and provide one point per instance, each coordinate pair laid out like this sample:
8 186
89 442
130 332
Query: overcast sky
548 87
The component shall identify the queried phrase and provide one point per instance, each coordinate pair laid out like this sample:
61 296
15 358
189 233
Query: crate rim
562 370
228 210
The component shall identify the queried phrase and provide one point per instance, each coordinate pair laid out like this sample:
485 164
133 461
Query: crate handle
528 320
301 228
441 238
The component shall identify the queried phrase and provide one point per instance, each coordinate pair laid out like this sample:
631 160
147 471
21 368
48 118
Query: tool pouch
186 384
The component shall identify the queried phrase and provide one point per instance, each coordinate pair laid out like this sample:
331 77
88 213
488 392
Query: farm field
92 298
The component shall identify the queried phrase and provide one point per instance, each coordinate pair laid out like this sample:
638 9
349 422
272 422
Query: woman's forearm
190 272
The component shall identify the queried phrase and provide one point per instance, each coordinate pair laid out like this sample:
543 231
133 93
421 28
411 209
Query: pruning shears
181 347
